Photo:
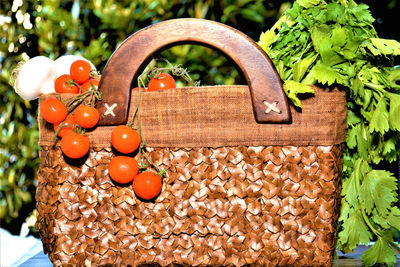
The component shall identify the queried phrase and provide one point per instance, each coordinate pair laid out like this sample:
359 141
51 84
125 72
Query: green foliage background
94 29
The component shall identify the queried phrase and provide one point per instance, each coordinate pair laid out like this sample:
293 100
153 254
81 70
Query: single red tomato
53 110
164 81
75 145
147 185
65 84
69 120
91 84
123 169
80 70
125 139
86 116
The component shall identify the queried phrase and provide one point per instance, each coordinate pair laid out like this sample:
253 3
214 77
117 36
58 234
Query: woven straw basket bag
250 180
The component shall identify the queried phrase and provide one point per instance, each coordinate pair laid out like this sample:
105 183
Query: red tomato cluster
125 169
122 169
54 111
78 80
147 185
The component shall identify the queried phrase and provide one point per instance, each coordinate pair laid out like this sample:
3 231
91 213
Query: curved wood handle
123 66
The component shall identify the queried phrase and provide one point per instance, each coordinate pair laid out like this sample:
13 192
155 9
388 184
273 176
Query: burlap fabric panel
223 116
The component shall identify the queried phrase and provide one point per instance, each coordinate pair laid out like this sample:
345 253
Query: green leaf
281 70
349 237
380 118
363 141
328 55
377 191
389 146
352 118
294 12
318 34
380 252
292 88
326 75
361 13
339 36
394 77
385 47
351 139
266 39
394 218
335 12
378 219
394 112
349 190
308 3
301 67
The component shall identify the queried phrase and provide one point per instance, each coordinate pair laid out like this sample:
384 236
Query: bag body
236 192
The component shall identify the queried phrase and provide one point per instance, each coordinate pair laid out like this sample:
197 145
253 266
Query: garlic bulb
63 64
34 77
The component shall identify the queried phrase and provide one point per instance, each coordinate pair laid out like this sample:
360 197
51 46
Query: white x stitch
110 110
271 107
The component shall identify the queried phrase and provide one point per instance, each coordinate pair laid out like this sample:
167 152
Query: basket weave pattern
262 205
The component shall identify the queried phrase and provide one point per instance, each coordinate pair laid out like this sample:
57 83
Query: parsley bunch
333 43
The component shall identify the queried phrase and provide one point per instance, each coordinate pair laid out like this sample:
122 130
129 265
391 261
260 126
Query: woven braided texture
230 206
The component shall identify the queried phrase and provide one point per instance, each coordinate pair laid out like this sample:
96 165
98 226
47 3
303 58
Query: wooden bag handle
123 66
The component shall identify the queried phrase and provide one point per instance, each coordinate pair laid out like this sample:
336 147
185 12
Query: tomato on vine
69 120
90 85
80 71
162 82
123 169
125 139
65 84
75 145
87 116
147 185
53 110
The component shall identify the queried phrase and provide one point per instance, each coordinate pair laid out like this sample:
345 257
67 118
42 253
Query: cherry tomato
137 89
64 84
80 71
87 116
123 169
69 120
53 110
88 85
75 145
164 81
125 139
147 185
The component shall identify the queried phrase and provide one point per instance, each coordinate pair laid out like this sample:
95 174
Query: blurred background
94 29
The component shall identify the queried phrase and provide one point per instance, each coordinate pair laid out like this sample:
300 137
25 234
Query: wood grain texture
262 78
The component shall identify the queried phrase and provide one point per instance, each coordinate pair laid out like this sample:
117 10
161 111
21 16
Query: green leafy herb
333 43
